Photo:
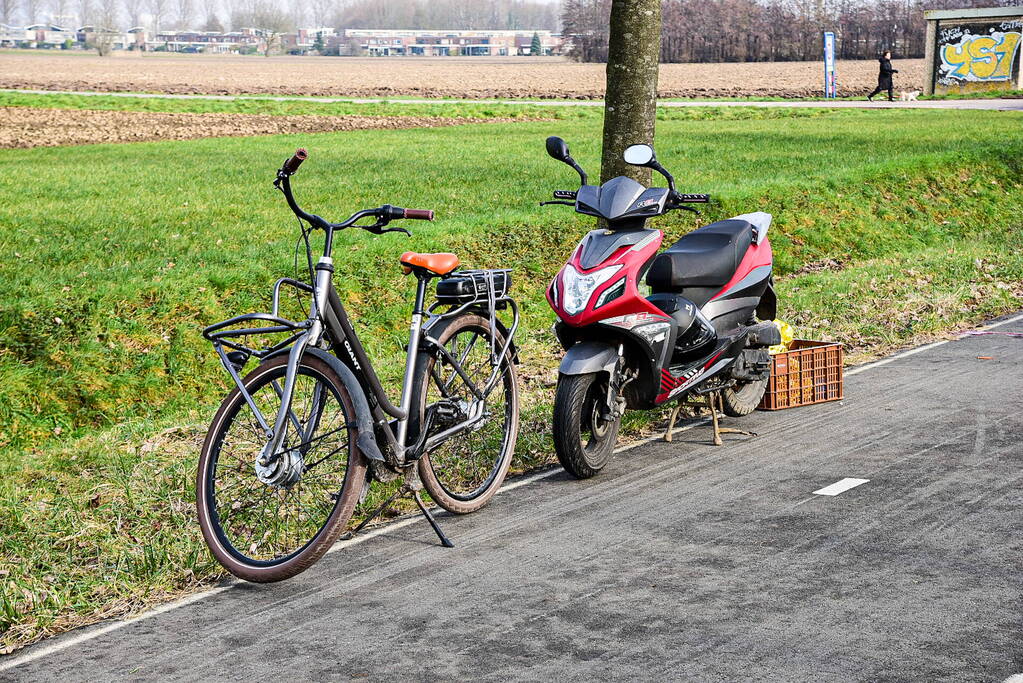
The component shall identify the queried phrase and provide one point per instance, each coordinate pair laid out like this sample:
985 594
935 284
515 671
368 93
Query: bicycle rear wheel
269 524
465 472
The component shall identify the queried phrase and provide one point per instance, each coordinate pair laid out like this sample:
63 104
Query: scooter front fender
588 357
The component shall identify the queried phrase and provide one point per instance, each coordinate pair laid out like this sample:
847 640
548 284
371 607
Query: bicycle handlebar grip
292 164
419 214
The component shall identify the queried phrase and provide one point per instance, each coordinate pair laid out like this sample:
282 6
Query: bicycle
273 496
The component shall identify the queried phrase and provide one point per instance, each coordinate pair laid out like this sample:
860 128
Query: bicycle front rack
226 334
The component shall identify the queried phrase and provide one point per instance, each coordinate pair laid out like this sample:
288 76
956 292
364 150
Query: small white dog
909 96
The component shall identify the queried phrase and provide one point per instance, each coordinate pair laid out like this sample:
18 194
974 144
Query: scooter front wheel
583 439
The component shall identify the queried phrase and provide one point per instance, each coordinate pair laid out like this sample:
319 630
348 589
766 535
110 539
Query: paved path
991 104
680 561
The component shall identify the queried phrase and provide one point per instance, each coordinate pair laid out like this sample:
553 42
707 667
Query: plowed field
27 127
462 77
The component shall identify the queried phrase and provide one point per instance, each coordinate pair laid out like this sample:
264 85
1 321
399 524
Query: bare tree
272 22
86 9
183 11
766 30
134 8
7 10
60 13
630 105
32 11
158 9
107 27
322 11
454 14
211 21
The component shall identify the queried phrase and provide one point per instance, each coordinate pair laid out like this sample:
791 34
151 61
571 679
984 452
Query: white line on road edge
840 486
41 651
860 368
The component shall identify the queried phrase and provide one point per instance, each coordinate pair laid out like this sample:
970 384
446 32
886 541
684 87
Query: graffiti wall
977 56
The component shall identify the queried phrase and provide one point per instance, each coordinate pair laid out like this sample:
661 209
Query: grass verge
395 107
891 227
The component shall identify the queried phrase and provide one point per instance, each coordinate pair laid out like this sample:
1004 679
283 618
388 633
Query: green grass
119 255
977 95
481 109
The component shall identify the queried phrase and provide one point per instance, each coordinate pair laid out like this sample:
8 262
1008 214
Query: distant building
49 35
204 41
89 35
440 43
372 42
13 36
305 38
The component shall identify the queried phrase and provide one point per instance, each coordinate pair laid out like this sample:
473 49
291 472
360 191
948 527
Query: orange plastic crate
809 372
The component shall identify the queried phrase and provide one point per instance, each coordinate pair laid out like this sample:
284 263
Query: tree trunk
630 105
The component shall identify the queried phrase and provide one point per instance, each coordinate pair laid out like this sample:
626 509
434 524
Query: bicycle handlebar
418 214
384 214
292 164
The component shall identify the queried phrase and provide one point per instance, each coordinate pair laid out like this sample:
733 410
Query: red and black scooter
696 332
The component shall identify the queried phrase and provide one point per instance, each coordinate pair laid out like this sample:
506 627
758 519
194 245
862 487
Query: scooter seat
707 257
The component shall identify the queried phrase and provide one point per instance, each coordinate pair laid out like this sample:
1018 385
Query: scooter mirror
558 148
638 155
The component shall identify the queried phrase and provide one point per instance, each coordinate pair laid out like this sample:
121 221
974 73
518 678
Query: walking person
884 76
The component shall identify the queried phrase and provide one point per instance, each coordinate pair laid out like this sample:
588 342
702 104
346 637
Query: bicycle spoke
270 521
466 462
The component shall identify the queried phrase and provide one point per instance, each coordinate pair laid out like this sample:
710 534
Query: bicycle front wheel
467 469
270 523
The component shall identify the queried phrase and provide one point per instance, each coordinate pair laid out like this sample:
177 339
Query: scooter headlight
579 287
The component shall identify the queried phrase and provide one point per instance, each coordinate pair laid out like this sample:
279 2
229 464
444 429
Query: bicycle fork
272 450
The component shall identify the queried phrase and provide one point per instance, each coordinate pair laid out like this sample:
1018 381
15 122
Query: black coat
884 76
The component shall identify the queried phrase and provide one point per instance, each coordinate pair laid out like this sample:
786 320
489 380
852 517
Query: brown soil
461 77
27 127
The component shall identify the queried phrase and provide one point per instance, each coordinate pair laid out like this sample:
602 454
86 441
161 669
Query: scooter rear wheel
743 399
582 440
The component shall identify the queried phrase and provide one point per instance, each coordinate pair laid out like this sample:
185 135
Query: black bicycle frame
329 326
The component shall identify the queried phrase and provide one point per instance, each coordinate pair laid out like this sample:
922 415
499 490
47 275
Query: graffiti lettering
980 58
947 34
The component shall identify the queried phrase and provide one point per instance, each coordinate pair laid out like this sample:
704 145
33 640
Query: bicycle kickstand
444 540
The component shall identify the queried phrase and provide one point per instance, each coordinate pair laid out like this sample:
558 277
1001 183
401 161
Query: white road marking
40 651
840 486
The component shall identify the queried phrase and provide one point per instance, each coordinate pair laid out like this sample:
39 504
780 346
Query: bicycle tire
440 469
223 542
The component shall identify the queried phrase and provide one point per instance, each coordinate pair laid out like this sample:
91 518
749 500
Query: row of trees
455 14
767 30
219 15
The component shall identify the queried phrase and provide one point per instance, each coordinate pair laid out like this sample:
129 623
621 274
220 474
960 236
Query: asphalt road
990 104
680 561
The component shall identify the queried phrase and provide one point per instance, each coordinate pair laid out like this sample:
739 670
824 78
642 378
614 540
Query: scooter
695 334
